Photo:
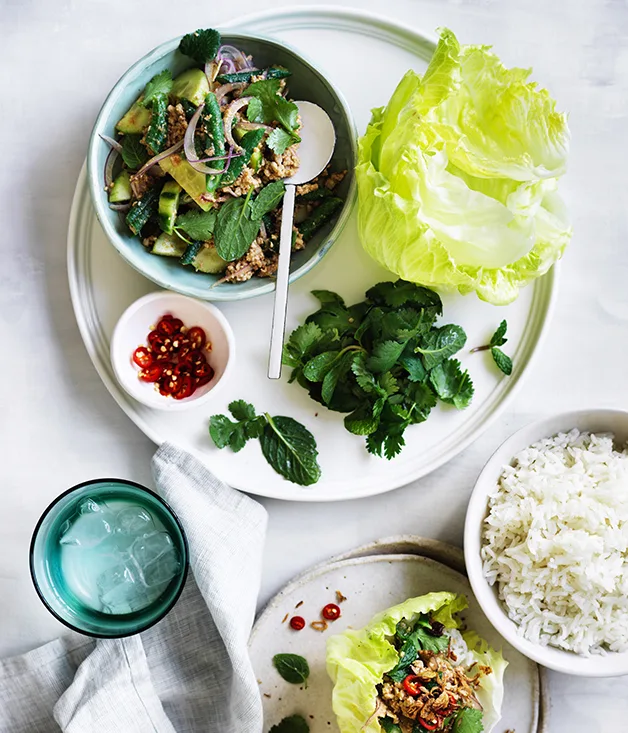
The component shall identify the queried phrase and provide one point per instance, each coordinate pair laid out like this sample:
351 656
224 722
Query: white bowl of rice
546 542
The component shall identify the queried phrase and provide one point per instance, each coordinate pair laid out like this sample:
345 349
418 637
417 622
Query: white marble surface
59 426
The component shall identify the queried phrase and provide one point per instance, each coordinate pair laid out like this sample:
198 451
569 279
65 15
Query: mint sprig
503 362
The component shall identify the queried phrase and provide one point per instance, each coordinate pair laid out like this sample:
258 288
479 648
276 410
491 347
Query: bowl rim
552 657
96 193
174 405
183 576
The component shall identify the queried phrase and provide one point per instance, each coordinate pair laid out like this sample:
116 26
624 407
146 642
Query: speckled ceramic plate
372 578
103 285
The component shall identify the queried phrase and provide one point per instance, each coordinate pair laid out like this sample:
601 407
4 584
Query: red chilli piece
186 387
197 337
154 337
142 357
331 612
202 371
151 374
168 325
297 623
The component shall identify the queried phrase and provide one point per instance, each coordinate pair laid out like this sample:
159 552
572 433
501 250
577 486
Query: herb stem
486 347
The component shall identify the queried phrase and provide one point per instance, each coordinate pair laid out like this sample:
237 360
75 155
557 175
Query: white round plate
370 584
103 285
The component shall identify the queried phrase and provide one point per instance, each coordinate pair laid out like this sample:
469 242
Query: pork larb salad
411 670
198 164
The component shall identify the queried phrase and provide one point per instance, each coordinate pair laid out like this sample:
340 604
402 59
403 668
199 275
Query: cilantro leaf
503 362
280 140
291 724
301 344
235 230
242 410
388 725
499 337
221 429
468 720
272 107
333 313
452 385
198 225
134 154
365 419
385 356
441 343
160 84
337 372
419 401
202 45
267 199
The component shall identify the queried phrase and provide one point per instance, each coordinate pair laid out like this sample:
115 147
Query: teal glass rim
182 576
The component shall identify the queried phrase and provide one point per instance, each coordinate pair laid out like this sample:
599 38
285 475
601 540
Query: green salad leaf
468 720
160 84
357 661
202 45
134 154
288 446
457 176
292 667
291 724
383 361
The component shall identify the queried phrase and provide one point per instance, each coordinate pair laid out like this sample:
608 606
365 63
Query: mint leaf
338 371
399 293
291 724
235 230
292 667
279 140
452 385
365 419
414 366
317 367
291 450
441 343
160 84
202 45
198 225
498 338
267 199
134 154
468 720
242 410
503 362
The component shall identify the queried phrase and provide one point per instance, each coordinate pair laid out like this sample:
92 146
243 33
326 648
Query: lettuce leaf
457 176
358 659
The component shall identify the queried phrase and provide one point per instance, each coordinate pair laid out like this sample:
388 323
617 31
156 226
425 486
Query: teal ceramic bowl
109 558
306 83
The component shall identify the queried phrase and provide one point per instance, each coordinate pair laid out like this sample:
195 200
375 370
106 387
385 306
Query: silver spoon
318 139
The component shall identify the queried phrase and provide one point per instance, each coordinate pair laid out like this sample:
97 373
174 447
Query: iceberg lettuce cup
457 176
411 670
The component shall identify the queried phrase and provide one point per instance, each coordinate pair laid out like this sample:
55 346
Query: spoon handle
281 286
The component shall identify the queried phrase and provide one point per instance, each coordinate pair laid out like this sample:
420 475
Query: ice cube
156 557
91 525
133 520
119 590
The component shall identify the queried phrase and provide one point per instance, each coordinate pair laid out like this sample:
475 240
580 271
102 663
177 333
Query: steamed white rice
556 543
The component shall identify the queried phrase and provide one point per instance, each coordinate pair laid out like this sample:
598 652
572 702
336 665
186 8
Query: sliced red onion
110 141
161 156
120 207
226 156
109 164
262 230
230 114
228 64
241 61
228 88
211 72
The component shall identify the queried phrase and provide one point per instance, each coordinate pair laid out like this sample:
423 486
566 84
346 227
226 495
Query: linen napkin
190 672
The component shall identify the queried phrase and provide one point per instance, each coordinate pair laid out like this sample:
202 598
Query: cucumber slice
168 205
208 260
136 120
142 210
191 85
121 188
190 180
168 245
